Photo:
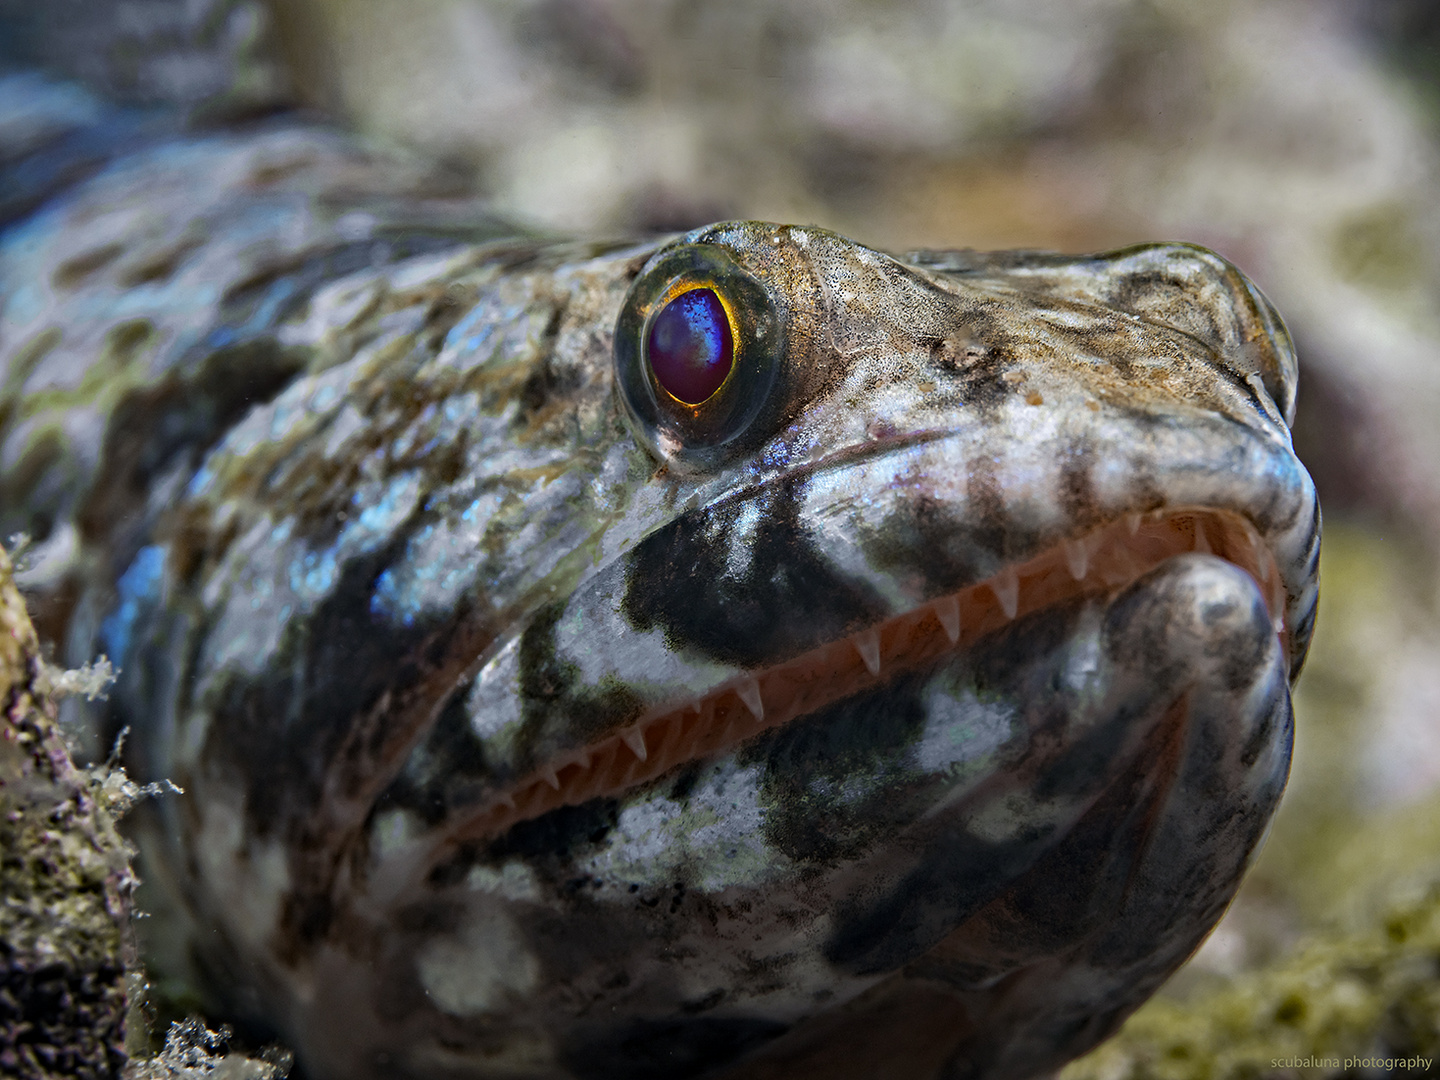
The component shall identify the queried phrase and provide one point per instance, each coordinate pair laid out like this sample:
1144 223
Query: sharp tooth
1132 523
749 691
1006 587
635 740
1279 624
1077 558
1251 540
548 775
867 644
947 610
1267 566
706 709
506 800
1202 542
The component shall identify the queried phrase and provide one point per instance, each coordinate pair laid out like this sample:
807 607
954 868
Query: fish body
910 705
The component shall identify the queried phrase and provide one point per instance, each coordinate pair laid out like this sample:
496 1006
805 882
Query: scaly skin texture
911 709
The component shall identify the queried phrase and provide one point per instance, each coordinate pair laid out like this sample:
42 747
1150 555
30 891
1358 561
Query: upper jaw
808 554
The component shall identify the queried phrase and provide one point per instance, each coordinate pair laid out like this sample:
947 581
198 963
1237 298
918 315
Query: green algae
64 878
72 992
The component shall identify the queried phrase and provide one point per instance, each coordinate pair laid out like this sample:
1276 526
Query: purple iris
690 348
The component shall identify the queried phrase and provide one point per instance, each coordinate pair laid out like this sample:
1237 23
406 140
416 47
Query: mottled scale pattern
910 707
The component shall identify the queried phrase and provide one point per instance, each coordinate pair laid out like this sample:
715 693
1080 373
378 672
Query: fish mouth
1099 562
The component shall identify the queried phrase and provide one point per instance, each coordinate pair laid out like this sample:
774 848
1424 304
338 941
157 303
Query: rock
64 877
194 1052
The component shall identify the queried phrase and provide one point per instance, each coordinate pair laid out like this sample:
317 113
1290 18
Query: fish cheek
928 539
972 850
830 779
554 694
440 770
744 583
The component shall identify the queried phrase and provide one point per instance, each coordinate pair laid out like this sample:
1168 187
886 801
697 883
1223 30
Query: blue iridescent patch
140 583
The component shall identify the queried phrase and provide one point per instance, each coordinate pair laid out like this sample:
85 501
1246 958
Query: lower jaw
1103 561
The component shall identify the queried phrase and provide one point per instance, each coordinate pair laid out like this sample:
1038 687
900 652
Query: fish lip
735 710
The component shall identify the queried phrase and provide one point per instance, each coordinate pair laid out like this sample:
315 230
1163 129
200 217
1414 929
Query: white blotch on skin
394 831
1003 819
253 874
481 969
742 540
597 637
513 881
962 732
1085 675
493 704
439 563
342 429
715 834
269 574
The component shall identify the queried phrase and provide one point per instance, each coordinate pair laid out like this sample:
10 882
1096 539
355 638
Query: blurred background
1299 138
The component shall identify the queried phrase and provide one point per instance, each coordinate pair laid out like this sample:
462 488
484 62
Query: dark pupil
690 349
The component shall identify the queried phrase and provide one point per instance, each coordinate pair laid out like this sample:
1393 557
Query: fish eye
690 347
698 349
